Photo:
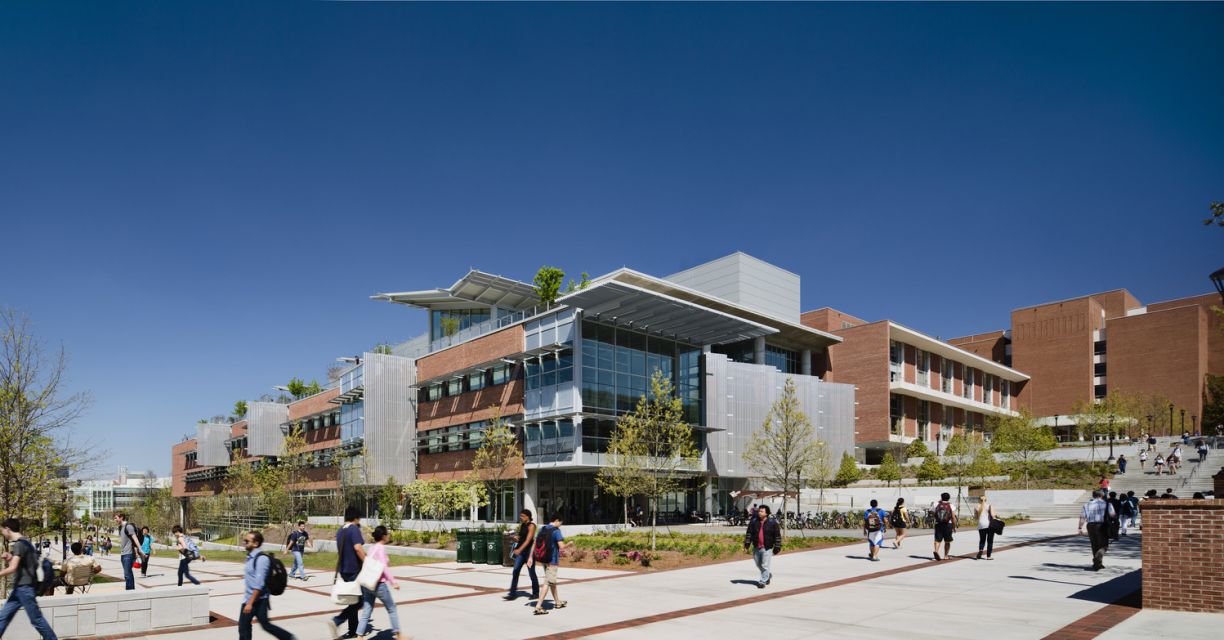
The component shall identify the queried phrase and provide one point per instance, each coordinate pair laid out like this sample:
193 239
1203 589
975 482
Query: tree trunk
654 518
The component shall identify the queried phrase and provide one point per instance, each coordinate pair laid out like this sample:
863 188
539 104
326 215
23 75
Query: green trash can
480 549
463 546
493 539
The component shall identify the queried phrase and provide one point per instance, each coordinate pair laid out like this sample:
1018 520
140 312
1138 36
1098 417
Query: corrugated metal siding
264 421
739 397
390 418
212 451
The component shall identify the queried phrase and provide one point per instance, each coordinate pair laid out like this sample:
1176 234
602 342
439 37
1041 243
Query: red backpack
543 545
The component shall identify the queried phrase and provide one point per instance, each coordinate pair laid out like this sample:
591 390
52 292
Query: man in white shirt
1096 514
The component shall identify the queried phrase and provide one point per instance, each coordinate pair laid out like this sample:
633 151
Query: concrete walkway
1036 586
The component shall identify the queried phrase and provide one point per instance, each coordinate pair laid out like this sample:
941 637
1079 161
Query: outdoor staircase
1193 475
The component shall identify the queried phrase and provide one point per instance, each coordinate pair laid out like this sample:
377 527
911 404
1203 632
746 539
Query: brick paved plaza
1035 588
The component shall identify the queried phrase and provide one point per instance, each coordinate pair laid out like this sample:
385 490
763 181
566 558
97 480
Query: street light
1217 279
1183 420
1170 419
1111 432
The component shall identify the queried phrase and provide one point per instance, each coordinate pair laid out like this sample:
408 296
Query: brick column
1183 554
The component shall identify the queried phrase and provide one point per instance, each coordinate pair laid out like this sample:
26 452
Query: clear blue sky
197 198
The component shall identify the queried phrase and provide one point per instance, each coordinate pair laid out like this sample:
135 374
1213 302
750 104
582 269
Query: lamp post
1194 424
1170 419
1111 432
1183 420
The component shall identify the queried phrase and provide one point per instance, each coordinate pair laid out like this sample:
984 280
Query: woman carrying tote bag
350 554
985 514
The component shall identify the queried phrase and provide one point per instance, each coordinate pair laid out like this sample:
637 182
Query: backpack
193 550
278 577
943 513
873 520
543 545
896 519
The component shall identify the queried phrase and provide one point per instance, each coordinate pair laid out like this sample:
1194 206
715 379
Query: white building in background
123 493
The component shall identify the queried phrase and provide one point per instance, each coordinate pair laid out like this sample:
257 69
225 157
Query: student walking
764 537
874 526
296 543
1115 521
1202 449
945 525
1096 515
146 549
899 519
187 553
23 561
548 545
1142 460
254 578
129 543
521 553
386 582
350 547
984 513
1121 463
1159 464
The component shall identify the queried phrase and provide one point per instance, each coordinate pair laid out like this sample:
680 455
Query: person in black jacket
764 537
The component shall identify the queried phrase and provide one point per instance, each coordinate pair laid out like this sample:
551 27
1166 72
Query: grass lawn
320 560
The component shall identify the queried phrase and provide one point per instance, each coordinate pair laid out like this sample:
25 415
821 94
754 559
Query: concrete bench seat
105 614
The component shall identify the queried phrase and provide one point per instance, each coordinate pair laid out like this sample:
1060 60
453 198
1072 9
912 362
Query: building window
502 373
896 413
447 322
550 369
1099 391
1098 369
476 381
1098 347
784 360
945 430
617 365
967 391
896 359
454 387
945 380
924 420
923 362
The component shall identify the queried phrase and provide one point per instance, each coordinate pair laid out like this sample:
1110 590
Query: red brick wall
1183 555
504 342
992 345
830 320
178 466
1215 326
317 403
1117 302
862 360
472 406
1160 352
1052 343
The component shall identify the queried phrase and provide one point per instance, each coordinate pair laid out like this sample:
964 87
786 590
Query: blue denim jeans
352 612
259 611
383 593
762 557
129 579
299 567
520 559
23 598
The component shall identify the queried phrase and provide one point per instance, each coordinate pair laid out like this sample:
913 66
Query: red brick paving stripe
217 621
730 604
1101 620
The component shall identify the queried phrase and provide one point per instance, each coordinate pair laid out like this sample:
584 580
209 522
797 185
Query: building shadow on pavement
1115 591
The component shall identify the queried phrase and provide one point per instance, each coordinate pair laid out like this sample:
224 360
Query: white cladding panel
211 450
739 397
390 418
264 422
747 281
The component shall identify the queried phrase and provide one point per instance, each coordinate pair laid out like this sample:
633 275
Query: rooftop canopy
477 287
655 313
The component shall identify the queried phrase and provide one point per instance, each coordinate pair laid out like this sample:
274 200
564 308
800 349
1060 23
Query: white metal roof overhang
475 287
655 313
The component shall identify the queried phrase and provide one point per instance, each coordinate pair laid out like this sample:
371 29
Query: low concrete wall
123 612
1006 501
432 525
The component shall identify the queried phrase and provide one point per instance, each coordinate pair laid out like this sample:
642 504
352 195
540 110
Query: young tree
572 286
36 413
240 409
931 470
548 284
450 325
388 504
917 449
820 473
499 461
657 435
785 445
624 475
960 456
889 470
1020 440
983 465
382 348
439 498
848 472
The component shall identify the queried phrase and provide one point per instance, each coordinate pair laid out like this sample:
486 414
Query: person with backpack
874 526
548 545
296 543
22 561
522 550
256 578
350 554
1115 521
899 519
764 538
188 551
984 513
1202 449
1122 464
129 542
378 552
945 525
146 548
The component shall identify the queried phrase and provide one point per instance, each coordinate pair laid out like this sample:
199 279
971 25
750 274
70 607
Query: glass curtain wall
618 363
456 320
